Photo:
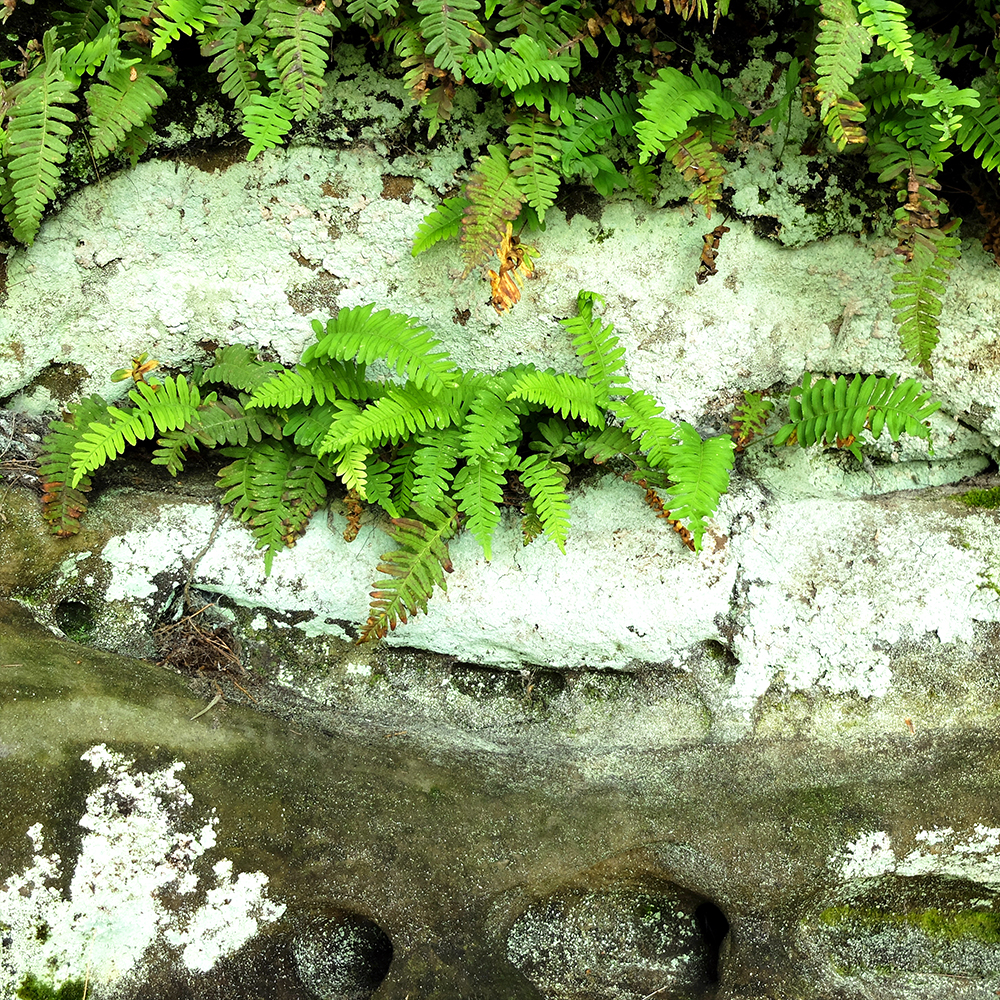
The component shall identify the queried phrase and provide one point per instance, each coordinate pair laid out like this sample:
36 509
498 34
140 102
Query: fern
545 480
275 488
566 395
885 21
228 421
266 121
641 416
918 286
448 27
81 22
524 63
840 46
595 123
62 504
37 128
413 570
125 102
553 26
669 104
980 132
176 18
535 148
442 223
359 334
695 159
368 12
495 199
836 412
301 55
319 382
239 367
478 488
229 46
749 418
433 466
493 420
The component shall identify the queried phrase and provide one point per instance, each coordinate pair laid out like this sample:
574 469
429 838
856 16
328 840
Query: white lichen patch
972 854
134 853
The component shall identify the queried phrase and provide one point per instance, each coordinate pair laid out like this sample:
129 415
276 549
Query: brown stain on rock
396 188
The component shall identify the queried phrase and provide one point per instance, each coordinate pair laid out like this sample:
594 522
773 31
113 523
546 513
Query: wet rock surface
309 851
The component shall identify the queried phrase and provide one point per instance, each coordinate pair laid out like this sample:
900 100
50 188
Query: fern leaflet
479 489
229 47
545 480
266 121
238 366
433 464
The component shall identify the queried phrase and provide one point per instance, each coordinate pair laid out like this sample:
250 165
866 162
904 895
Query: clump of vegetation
985 499
437 449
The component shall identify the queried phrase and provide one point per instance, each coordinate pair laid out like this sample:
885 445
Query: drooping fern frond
641 416
434 460
176 18
441 223
918 287
301 55
885 21
545 480
447 27
229 45
413 570
275 488
81 21
552 25
124 102
62 504
228 421
493 420
525 62
841 43
362 335
699 474
266 122
834 413
535 148
368 12
495 198
980 132
38 124
696 160
478 487
669 104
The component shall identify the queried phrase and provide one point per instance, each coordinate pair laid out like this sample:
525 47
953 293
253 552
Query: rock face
768 770
153 849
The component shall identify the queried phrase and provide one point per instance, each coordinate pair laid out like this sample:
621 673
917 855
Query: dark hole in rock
342 956
637 938
76 620
714 927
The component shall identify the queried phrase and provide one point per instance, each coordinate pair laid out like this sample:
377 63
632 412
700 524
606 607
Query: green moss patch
986 499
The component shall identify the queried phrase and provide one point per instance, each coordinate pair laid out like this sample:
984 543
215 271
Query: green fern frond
82 21
749 418
442 223
266 122
669 104
602 446
402 412
229 46
495 198
699 475
885 21
547 96
980 132
595 123
413 570
165 407
125 101
35 147
89 51
640 415
545 481
566 395
63 505
493 420
359 334
599 351
171 450
478 486
447 27
553 26
403 474
644 180
918 286
239 367
302 53
368 12
830 412
535 147
308 425
433 466
840 45
176 18
228 422
276 489
514 68
315 381
378 485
